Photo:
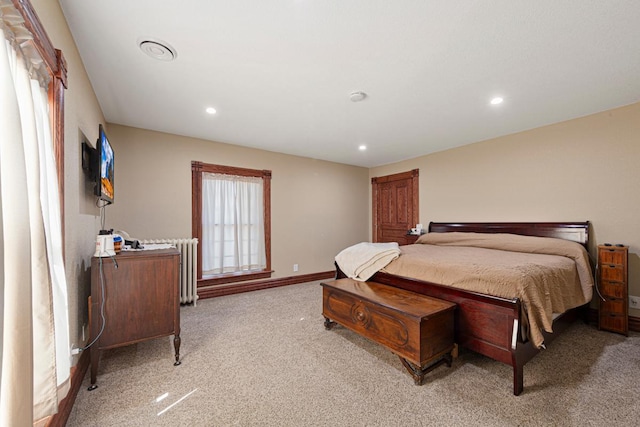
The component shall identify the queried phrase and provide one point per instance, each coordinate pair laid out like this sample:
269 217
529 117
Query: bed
493 325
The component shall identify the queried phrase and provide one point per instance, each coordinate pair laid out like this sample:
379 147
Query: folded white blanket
363 260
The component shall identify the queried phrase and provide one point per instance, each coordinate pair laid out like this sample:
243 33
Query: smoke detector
357 96
157 49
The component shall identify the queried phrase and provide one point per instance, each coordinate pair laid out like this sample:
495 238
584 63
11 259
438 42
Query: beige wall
317 207
582 169
82 115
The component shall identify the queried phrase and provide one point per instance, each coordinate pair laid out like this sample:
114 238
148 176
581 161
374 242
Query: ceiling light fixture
497 100
210 110
157 49
357 96
362 147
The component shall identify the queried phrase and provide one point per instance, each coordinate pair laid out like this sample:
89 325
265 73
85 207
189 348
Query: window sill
221 279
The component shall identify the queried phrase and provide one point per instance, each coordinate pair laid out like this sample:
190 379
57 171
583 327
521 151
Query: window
232 224
232 221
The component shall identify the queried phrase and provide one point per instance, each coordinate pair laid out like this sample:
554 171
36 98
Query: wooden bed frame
491 325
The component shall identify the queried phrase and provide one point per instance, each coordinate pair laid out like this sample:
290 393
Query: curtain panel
232 224
34 345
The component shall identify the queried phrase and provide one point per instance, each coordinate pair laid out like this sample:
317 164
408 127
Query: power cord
596 275
102 212
102 302
102 287
597 280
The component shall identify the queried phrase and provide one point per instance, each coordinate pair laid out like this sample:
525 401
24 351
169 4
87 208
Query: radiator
188 266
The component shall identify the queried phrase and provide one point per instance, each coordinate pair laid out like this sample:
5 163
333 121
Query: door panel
395 206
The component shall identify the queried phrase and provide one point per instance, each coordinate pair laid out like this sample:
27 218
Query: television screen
104 186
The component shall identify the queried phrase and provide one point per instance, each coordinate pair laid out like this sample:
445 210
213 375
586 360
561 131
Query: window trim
197 168
57 68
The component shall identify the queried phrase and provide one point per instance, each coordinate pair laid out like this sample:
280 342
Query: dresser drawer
612 305
612 256
612 272
613 289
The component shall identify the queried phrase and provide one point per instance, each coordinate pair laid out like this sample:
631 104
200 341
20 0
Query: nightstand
612 282
411 238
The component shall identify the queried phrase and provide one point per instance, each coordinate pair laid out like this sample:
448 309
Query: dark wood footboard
486 324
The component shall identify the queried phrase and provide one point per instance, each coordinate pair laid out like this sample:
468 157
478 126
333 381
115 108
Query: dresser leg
95 358
176 346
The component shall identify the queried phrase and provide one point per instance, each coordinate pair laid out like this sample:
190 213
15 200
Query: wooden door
395 206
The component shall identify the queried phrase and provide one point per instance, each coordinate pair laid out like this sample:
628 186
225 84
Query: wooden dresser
612 282
141 295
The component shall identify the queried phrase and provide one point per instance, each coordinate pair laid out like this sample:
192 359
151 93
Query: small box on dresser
612 282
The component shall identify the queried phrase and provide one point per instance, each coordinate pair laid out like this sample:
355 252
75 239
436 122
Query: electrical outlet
295 267
634 302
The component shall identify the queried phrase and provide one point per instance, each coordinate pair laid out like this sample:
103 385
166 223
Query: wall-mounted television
104 168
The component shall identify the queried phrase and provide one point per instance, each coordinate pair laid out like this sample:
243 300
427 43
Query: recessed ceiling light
157 49
210 110
362 147
497 100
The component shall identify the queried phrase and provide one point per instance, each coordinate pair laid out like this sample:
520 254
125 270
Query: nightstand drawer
614 322
612 272
612 305
612 256
613 289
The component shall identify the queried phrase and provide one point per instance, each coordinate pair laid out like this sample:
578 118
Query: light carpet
264 359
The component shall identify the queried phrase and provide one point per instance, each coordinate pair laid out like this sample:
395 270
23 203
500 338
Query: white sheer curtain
232 224
34 348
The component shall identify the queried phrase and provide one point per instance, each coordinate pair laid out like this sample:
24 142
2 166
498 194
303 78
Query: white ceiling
279 72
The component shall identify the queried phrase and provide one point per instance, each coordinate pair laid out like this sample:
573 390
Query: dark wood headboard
574 231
